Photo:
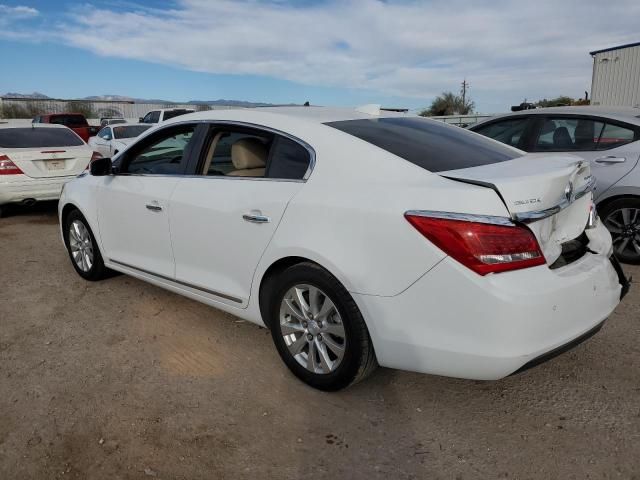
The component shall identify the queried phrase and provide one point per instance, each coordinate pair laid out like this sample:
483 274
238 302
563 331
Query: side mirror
101 167
141 120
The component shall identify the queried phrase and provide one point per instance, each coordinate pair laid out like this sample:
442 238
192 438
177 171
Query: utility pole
465 85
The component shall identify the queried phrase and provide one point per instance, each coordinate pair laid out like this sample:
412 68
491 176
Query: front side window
105 133
568 134
163 153
510 131
429 144
151 117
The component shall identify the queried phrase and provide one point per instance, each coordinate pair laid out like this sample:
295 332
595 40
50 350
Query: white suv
157 116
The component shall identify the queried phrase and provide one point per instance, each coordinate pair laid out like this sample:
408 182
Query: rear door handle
610 159
154 207
253 218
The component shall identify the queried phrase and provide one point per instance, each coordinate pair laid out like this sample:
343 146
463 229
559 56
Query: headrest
248 153
561 138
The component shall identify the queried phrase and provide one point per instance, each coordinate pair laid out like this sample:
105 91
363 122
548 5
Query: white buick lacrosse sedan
358 237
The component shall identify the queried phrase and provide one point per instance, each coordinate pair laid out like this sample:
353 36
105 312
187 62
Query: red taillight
7 167
482 247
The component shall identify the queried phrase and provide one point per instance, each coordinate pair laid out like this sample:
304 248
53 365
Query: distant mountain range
120 98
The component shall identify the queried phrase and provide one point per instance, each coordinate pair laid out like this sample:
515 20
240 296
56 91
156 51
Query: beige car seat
249 157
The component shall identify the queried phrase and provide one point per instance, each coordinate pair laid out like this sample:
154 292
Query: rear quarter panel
349 216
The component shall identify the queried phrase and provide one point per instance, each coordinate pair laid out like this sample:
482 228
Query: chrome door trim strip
464 217
185 284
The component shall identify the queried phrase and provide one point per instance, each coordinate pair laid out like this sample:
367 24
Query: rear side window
429 144
614 136
38 138
289 160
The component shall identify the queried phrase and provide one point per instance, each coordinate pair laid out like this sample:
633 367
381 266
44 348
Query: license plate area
55 165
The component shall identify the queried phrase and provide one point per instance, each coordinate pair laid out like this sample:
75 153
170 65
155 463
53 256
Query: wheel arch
64 214
602 204
272 272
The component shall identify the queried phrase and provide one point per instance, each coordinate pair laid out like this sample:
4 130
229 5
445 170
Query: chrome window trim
535 215
465 217
309 148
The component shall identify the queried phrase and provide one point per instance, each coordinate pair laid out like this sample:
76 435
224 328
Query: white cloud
10 18
506 49
15 13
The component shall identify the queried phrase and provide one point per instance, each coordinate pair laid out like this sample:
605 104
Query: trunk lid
50 162
551 193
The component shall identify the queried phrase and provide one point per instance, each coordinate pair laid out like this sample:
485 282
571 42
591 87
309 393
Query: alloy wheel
81 245
312 329
624 225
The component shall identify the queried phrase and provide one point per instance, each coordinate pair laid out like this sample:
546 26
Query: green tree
76 106
554 102
448 104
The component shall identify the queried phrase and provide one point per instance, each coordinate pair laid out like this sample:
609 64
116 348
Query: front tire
82 248
318 329
622 219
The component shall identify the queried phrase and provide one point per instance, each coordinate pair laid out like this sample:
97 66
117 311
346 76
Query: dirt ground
122 380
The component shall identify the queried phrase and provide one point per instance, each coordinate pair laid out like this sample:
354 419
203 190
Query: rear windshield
38 138
69 120
174 113
430 144
129 131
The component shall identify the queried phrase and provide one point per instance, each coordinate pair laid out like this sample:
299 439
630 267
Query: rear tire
622 219
82 248
317 328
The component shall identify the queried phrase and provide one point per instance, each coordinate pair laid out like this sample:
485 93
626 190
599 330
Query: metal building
616 76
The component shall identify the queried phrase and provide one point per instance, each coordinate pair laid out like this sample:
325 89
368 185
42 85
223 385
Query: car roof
32 125
624 114
129 124
317 115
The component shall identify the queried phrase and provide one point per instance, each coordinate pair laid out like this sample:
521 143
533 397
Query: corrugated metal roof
628 45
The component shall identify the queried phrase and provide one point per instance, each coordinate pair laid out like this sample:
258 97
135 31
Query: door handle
250 217
154 207
610 159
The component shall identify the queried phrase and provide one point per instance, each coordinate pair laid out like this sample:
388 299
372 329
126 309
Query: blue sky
329 52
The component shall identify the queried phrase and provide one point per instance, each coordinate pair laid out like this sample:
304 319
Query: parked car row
358 237
36 161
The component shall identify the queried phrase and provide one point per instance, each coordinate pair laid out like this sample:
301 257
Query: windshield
38 138
130 131
429 144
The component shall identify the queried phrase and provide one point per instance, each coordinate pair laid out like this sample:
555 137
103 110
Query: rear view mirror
140 120
101 167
